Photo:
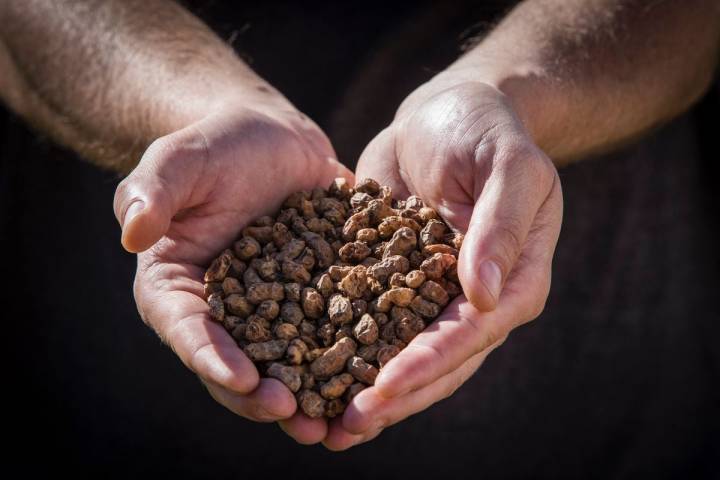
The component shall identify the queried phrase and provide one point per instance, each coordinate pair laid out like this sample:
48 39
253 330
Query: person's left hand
464 151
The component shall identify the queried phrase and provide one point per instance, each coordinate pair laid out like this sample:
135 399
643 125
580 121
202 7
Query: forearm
585 75
107 77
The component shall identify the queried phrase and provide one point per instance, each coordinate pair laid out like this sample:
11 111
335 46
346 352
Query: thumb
502 217
147 199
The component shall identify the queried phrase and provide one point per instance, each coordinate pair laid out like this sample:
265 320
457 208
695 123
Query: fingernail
491 276
132 211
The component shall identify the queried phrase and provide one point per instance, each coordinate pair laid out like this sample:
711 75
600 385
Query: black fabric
618 378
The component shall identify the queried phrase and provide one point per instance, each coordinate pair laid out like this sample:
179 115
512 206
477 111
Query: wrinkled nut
247 248
340 310
435 293
286 374
332 361
329 290
296 351
336 386
264 351
259 292
313 304
361 370
311 403
217 309
400 297
366 330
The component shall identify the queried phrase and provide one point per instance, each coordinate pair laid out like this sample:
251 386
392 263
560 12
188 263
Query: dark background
618 378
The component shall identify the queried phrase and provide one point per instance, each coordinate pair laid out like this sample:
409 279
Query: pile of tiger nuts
326 293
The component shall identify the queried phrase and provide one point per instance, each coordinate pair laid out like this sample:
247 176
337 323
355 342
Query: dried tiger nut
307 259
354 252
319 225
400 297
454 239
287 216
453 289
369 186
218 268
265 351
342 332
352 391
386 353
435 266
323 251
382 270
230 322
256 332
247 248
366 330
408 325
402 243
232 285
280 234
333 360
268 309
433 232
338 272
311 403
264 221
336 386
238 305
291 250
262 234
296 351
286 374
416 258
212 287
424 308
415 278
286 331
353 285
367 235
435 293
295 272
238 332
355 223
217 309
335 217
360 200
397 280
340 188
325 285
315 353
292 291
387 331
361 370
378 210
340 310
359 308
292 313
251 277
368 352
427 214
380 318
307 329
313 304
308 380
414 202
334 407
430 250
259 292
326 333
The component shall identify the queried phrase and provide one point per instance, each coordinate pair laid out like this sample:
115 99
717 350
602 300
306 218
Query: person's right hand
188 199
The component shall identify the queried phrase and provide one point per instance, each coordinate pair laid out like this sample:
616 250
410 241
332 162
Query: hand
189 197
465 152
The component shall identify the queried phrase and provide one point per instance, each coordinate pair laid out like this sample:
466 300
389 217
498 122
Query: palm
214 178
468 156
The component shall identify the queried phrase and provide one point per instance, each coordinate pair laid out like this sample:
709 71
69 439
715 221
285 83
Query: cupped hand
188 199
465 152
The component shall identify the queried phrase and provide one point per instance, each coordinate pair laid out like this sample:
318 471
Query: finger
370 411
378 162
147 199
269 402
180 317
339 439
462 331
303 429
504 212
